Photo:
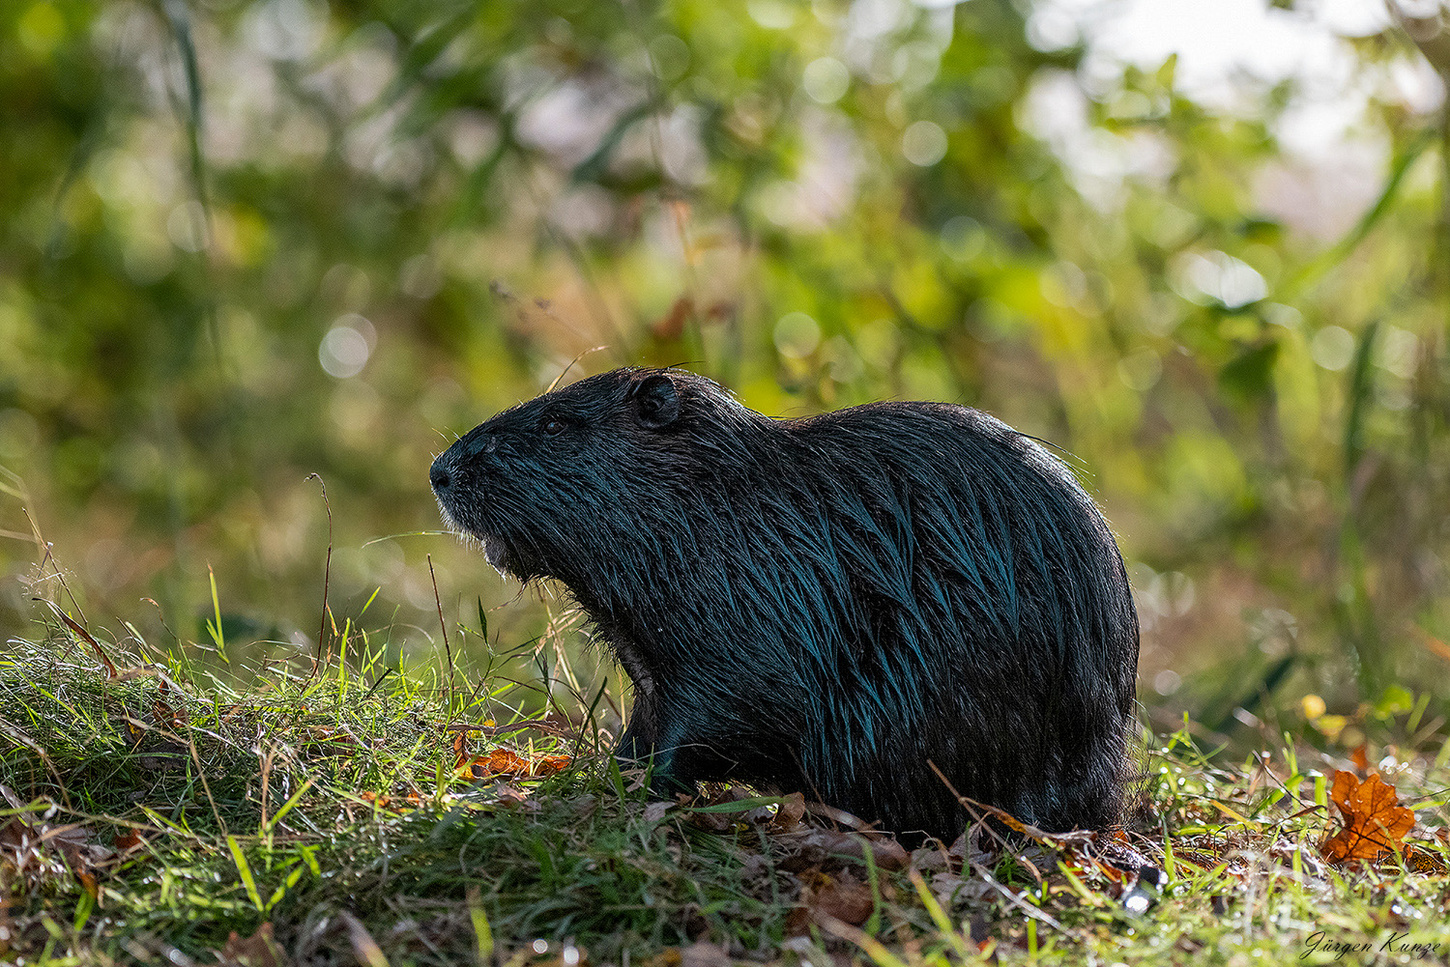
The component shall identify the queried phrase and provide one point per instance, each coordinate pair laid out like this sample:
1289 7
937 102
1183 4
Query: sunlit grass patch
347 813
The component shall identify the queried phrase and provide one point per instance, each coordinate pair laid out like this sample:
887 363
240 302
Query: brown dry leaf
381 800
1374 821
513 795
21 853
396 804
705 816
887 853
502 762
814 847
111 671
127 841
258 950
1360 757
40 852
950 888
166 716
71 842
325 740
711 822
841 897
792 810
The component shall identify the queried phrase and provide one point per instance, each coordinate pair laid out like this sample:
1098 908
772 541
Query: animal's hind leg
651 743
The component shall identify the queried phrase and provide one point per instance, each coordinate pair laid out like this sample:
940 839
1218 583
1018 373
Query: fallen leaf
129 840
41 852
397 804
258 950
510 794
841 897
325 740
166 716
950 888
502 762
1374 821
70 841
792 810
89 883
814 847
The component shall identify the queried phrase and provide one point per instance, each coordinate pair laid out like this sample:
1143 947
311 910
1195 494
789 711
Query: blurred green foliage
242 242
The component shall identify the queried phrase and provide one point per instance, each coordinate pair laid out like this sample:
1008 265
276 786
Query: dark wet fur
825 604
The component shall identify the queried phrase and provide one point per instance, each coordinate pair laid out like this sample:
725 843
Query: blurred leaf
1249 376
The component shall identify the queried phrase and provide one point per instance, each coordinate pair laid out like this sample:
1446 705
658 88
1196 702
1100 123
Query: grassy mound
341 813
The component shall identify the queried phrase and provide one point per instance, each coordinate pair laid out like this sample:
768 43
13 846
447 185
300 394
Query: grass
332 814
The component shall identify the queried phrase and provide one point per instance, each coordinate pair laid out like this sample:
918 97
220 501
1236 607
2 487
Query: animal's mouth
465 522
495 548
493 551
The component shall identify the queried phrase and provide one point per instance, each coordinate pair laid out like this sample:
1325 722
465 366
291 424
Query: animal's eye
552 426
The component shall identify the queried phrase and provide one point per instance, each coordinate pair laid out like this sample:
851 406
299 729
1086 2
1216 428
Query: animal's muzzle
442 474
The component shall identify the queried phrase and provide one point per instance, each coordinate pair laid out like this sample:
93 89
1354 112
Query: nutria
831 604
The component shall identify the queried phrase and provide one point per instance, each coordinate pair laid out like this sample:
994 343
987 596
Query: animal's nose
439 476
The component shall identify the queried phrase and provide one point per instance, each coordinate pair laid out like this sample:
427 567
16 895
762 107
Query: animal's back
933 587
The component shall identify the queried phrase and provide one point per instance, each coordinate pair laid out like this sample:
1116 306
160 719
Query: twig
447 649
49 557
205 786
70 623
20 738
375 684
1014 899
563 372
326 576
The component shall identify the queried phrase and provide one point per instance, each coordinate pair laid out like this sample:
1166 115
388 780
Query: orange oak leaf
397 804
1374 821
502 762
128 841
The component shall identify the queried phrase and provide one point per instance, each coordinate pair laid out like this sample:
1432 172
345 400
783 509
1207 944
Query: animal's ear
656 401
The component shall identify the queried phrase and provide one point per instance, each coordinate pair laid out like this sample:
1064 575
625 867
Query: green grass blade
244 870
